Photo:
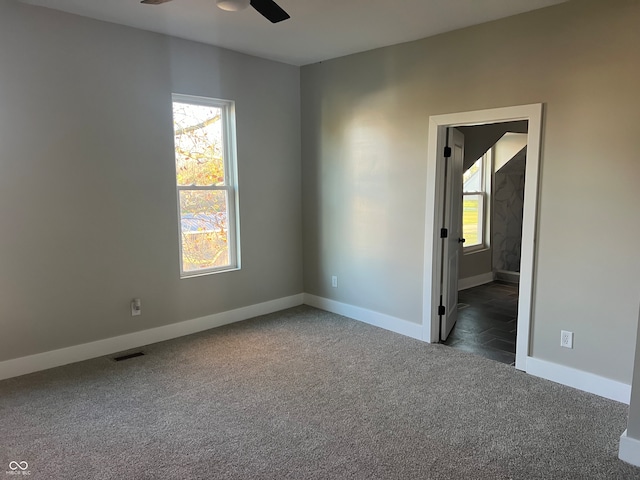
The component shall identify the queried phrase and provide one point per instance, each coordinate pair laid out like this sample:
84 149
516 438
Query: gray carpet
304 394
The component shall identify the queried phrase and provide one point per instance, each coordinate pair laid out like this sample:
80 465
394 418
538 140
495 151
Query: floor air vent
128 356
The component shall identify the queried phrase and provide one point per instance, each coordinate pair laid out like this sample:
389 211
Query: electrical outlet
566 339
334 281
136 307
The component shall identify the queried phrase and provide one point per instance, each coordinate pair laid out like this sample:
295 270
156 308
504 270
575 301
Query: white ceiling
318 29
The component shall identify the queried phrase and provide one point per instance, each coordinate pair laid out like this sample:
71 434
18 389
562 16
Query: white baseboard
571 377
629 450
587 382
99 348
377 319
476 281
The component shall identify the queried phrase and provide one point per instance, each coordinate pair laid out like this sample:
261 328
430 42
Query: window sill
184 276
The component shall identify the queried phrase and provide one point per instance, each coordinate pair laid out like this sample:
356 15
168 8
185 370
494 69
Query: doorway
493 181
436 212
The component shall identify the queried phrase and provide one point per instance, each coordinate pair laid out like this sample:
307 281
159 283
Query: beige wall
87 195
364 143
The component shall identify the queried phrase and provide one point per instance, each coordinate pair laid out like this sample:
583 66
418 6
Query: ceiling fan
267 8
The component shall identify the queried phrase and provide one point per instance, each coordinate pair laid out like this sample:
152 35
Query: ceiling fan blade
270 10
154 2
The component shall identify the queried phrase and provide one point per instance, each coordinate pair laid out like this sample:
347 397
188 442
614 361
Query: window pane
472 220
205 235
199 144
472 178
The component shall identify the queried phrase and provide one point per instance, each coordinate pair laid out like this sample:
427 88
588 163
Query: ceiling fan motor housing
267 8
232 5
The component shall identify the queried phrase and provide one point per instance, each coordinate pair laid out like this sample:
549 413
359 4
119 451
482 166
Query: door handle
461 240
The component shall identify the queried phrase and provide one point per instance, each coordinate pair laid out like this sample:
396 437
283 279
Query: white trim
99 348
529 229
476 281
227 113
587 382
486 179
432 223
570 377
377 319
629 449
434 207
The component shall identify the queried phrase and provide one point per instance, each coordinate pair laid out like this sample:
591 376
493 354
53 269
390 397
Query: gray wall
475 263
365 120
87 195
508 204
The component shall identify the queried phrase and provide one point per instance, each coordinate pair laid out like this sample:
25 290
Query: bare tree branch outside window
201 180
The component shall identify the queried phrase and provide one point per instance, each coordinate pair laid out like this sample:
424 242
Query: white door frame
434 208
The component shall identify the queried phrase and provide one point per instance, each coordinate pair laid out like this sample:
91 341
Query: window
476 184
206 185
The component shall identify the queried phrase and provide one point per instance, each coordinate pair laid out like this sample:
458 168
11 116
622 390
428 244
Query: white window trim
485 227
231 187
481 245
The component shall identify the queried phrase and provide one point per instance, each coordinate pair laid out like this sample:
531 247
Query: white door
453 224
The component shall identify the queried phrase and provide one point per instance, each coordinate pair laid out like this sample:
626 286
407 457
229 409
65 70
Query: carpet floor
305 394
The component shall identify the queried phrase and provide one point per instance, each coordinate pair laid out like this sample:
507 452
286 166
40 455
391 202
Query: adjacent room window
206 185
476 184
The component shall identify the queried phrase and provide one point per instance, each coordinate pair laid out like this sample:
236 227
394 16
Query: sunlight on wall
369 156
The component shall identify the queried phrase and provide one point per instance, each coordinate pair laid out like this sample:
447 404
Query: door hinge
444 233
441 310
447 152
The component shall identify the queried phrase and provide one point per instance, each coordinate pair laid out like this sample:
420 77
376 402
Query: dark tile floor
487 322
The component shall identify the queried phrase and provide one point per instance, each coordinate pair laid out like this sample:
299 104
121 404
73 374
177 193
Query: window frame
486 173
227 116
